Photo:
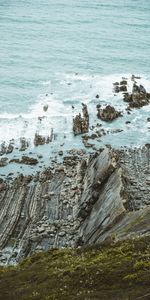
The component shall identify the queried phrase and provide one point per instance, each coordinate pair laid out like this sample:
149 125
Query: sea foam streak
69 91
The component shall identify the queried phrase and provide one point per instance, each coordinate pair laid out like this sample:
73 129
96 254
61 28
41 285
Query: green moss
115 271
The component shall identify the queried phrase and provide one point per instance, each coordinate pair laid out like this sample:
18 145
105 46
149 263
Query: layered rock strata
84 200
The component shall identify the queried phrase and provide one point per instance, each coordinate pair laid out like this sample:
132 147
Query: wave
55 109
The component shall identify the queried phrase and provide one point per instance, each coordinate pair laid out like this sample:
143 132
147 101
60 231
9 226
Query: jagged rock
127 97
10 148
138 98
108 113
7 149
3 162
39 140
123 88
81 124
24 144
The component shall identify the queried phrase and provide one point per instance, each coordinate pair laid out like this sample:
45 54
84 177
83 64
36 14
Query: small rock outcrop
109 113
120 87
23 144
138 98
26 160
81 123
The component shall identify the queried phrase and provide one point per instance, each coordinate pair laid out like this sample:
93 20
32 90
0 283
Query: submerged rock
45 107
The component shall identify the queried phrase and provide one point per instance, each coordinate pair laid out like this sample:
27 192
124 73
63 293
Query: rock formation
120 87
24 144
84 200
138 98
26 160
109 113
81 124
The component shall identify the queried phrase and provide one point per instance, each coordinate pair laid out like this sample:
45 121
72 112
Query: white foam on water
69 89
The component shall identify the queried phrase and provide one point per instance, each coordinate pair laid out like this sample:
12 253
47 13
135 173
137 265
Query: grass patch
118 271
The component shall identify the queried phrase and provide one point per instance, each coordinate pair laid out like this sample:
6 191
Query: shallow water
70 50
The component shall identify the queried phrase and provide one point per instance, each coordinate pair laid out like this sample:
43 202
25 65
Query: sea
63 53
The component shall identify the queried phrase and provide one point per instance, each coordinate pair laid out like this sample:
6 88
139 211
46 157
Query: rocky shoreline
82 197
85 200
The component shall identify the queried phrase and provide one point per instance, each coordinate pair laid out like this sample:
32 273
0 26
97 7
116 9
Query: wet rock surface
81 123
25 160
109 113
138 98
80 201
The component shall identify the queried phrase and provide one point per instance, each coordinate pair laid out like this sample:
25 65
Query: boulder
108 113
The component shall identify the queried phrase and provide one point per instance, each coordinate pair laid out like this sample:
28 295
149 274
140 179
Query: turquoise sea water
70 50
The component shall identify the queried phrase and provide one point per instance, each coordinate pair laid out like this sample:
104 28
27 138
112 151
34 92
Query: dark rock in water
135 88
116 89
142 89
3 149
45 107
133 77
148 119
3 162
123 88
97 96
10 148
138 98
138 89
7 149
24 144
108 113
25 160
98 105
127 97
81 124
28 160
39 140
60 152
123 82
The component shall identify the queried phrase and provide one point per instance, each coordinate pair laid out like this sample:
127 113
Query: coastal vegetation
110 271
